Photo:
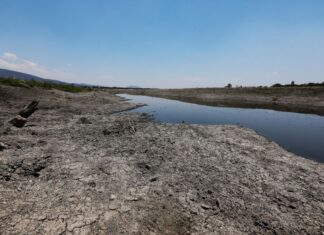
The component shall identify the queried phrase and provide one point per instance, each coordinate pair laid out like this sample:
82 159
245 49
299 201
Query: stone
206 207
153 179
3 146
84 120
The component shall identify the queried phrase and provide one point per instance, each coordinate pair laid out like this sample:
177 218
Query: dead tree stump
21 119
29 110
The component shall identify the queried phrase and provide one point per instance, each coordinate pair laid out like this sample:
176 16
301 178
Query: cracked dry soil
77 169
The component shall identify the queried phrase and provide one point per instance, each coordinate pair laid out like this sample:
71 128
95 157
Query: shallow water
302 134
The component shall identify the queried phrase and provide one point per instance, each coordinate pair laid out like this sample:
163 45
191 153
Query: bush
277 85
293 84
45 85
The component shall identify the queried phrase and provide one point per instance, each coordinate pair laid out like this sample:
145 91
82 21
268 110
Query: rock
106 132
133 199
143 165
153 179
291 206
205 207
84 120
3 146
124 209
261 223
18 121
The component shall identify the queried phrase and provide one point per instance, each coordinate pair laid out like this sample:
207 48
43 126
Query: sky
165 43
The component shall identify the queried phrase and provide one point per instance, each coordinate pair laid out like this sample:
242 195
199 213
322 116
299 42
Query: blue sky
165 43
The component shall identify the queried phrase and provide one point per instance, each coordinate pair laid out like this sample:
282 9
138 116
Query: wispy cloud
10 56
11 61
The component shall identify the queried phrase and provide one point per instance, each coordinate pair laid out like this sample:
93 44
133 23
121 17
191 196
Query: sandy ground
77 169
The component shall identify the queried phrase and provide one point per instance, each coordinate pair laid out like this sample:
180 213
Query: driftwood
29 110
21 119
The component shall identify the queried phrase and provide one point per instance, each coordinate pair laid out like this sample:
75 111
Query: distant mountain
24 76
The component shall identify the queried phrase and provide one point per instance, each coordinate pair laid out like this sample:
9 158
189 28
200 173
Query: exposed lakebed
302 134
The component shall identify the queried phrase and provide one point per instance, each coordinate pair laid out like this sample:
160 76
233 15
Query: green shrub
293 84
45 85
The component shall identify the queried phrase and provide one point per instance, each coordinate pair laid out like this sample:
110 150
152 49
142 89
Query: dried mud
77 167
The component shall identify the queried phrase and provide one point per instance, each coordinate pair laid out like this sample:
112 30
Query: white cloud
11 61
10 56
30 64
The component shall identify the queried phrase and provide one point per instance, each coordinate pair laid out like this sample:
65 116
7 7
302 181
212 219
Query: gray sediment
75 168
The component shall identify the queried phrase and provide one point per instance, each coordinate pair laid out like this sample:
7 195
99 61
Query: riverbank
76 168
291 99
298 133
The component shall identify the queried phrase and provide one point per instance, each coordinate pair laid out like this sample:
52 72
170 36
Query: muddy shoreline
77 169
290 99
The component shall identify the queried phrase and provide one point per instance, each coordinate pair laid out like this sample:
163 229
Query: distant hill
134 87
5 73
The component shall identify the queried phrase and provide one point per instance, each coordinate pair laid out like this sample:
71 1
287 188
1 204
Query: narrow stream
302 134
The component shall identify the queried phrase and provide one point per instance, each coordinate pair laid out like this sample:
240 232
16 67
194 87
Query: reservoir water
302 134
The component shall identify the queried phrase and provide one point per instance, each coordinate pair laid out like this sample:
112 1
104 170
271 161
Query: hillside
5 73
